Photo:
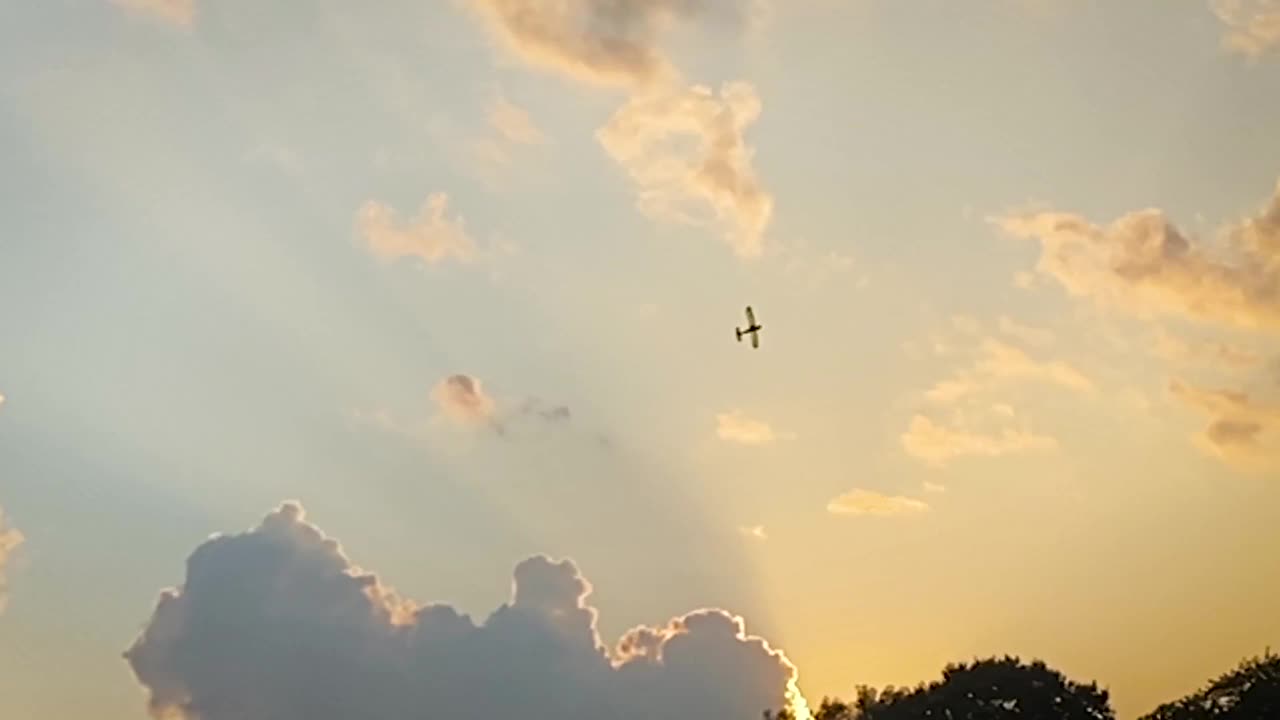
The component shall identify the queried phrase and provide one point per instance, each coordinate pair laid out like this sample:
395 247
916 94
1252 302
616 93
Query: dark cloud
276 623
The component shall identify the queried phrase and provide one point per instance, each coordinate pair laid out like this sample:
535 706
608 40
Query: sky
344 346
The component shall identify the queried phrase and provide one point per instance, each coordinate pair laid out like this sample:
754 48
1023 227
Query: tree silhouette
1250 692
987 689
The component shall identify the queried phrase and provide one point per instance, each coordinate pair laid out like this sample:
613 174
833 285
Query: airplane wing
751 317
755 339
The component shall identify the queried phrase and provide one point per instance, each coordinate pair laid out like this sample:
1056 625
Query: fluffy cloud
1253 26
937 444
736 427
276 623
178 12
431 237
1143 264
10 539
686 151
866 502
1240 428
602 42
463 398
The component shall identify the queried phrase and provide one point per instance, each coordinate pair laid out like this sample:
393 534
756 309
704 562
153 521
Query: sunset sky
453 283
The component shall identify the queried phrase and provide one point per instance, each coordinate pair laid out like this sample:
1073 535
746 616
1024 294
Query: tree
1250 691
988 689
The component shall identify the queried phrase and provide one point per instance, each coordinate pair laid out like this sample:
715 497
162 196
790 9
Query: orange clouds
178 12
431 237
866 502
1253 26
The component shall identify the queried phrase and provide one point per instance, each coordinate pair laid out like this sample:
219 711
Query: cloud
866 502
755 532
513 123
178 12
611 43
736 427
1215 354
1253 26
431 237
1239 426
1144 265
685 149
463 398
276 622
999 362
1026 334
10 539
932 487
937 445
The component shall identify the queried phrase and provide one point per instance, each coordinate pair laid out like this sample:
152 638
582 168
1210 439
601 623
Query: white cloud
686 151
937 444
431 237
932 487
755 532
1253 26
736 427
178 12
10 539
866 502
277 623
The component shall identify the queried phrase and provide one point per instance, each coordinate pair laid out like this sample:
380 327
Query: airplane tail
739 333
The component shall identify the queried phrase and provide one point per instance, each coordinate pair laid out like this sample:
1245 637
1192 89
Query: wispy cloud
998 363
1253 26
937 444
1241 429
755 532
178 12
10 539
432 236
736 427
1026 334
1211 353
686 151
867 502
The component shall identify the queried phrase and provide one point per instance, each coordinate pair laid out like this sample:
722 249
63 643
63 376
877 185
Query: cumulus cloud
602 42
1253 26
1143 264
1240 430
736 427
431 237
178 12
10 539
277 623
866 502
686 151
938 444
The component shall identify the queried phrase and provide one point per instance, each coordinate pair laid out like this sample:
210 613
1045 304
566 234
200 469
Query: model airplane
752 329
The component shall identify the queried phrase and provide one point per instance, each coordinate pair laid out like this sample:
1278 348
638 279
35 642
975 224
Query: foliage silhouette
1250 692
986 689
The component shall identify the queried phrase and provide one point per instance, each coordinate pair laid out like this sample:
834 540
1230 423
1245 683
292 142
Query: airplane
752 329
